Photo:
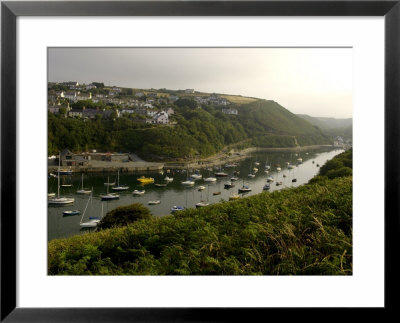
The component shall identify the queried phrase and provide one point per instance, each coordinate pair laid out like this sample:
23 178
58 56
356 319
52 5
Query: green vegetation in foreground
300 231
194 131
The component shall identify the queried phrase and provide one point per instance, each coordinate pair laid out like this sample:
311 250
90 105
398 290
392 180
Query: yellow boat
145 180
234 197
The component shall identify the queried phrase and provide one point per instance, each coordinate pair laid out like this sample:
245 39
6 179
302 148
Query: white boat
168 179
109 196
120 187
188 183
266 187
290 167
82 190
196 176
93 221
210 179
255 170
154 202
270 179
251 175
59 200
176 208
160 185
109 184
278 169
229 185
51 195
220 174
299 160
256 163
202 204
234 179
200 188
137 192
244 189
74 212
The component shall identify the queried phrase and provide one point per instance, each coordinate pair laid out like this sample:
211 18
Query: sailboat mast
82 181
58 175
108 183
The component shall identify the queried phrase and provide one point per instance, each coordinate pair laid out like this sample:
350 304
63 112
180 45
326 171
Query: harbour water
61 226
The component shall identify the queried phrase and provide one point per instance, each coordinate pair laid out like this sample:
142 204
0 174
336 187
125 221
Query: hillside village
92 101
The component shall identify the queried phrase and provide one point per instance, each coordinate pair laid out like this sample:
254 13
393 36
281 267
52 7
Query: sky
313 81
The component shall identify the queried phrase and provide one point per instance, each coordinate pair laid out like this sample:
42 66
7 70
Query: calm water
175 193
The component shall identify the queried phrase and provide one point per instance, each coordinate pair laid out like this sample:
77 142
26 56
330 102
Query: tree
124 215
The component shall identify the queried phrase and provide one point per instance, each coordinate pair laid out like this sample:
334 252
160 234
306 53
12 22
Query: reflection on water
176 194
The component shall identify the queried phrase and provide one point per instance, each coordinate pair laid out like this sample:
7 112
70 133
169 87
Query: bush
341 172
124 215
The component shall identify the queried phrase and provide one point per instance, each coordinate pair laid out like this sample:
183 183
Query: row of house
212 99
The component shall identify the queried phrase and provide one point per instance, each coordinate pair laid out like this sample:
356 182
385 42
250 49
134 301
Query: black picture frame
10 10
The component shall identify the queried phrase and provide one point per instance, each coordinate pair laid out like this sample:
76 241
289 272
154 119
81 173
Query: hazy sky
313 81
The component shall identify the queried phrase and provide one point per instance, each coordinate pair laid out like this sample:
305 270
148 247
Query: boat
234 179
188 183
145 180
160 185
109 196
266 171
256 163
168 179
244 189
202 204
154 202
299 160
317 165
120 187
110 184
234 197
229 185
210 179
196 176
200 188
51 194
217 193
230 165
266 187
290 166
176 208
65 172
255 170
93 221
82 190
313 161
236 172
278 169
220 174
74 212
294 180
137 192
270 179
284 175
278 183
53 175
59 200
251 175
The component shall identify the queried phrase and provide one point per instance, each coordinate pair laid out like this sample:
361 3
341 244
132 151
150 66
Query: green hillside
327 123
193 131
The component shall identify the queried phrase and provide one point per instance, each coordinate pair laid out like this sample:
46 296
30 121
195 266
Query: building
230 111
91 86
190 91
159 118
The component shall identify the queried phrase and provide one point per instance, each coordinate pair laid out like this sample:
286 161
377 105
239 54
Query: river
60 226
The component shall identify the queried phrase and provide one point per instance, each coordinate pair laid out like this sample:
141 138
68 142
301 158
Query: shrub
124 215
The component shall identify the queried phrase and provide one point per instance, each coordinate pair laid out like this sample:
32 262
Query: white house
91 86
170 111
230 111
189 91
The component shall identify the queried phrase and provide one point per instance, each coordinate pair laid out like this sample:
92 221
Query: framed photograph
193 160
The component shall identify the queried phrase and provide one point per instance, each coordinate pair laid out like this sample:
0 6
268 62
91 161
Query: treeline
197 132
298 231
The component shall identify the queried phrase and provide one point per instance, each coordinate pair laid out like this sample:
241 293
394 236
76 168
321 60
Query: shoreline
219 159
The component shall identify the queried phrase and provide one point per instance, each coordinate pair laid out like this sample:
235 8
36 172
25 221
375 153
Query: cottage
74 113
191 91
230 111
90 87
